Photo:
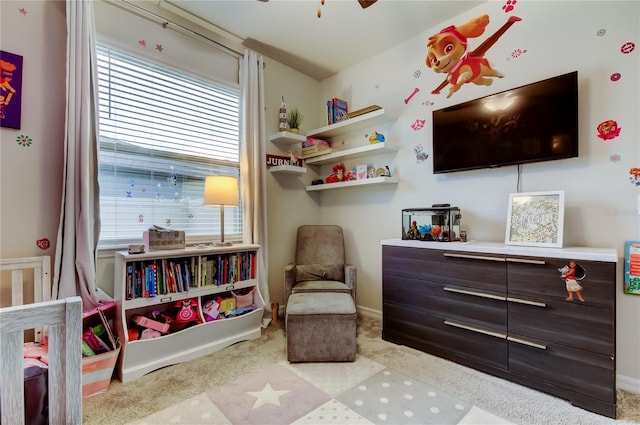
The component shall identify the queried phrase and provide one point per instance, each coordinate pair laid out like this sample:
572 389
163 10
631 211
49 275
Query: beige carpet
363 392
186 382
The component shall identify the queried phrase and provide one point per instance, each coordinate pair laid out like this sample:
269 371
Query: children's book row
147 279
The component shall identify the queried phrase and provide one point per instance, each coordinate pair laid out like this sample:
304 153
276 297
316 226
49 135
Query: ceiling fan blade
366 3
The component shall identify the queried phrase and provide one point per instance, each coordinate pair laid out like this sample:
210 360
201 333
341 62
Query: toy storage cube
321 327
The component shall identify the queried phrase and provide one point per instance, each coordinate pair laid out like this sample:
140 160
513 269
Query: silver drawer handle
525 342
521 301
527 261
474 257
478 330
475 294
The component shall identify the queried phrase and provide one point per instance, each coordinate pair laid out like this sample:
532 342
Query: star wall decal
267 396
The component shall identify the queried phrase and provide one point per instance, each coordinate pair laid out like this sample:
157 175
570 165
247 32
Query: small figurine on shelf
294 158
387 171
282 124
337 175
376 137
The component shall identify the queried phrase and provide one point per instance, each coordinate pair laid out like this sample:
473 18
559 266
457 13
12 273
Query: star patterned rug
363 392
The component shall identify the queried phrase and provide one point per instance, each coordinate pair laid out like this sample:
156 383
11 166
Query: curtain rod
166 22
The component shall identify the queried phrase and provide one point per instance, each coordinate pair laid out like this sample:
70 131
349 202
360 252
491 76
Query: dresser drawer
482 309
484 272
422 331
540 278
574 325
575 370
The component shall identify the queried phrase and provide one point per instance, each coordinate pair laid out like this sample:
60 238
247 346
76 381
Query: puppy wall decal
447 53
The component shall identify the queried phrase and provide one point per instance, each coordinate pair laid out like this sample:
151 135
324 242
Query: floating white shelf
353 183
359 152
288 169
368 120
287 138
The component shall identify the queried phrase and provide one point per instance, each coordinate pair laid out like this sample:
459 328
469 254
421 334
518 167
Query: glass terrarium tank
439 223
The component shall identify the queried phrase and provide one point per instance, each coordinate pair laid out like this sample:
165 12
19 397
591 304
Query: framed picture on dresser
535 219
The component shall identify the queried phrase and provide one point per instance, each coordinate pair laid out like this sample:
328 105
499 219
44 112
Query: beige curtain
79 228
253 165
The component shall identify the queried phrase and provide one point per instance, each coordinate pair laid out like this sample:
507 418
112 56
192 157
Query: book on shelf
337 110
363 111
140 279
340 110
130 278
178 272
153 278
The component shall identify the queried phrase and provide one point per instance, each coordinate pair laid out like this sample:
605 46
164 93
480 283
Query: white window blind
161 133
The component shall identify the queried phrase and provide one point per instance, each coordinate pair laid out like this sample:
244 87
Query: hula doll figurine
569 276
413 232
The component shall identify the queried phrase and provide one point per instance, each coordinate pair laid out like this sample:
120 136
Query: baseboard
626 383
369 313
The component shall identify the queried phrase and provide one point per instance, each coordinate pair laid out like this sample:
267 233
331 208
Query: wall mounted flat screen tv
532 123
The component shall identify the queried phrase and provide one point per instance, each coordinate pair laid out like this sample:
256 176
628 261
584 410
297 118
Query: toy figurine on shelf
282 123
376 137
294 158
337 175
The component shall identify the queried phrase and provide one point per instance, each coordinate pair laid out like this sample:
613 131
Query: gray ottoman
321 327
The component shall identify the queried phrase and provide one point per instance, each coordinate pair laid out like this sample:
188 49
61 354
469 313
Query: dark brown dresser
506 310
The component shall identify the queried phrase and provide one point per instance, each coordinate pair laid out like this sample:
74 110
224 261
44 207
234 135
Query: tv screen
533 123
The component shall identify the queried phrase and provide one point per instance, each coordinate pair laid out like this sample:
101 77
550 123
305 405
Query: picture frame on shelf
535 219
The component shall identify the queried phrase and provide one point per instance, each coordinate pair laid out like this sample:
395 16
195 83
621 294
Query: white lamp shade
221 190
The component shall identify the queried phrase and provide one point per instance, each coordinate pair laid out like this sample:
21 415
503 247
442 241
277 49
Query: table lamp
221 190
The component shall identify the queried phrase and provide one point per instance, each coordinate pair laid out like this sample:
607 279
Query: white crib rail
41 267
64 319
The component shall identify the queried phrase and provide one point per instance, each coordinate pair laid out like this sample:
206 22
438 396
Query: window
161 133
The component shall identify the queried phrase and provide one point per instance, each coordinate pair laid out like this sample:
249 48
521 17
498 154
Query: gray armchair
319 263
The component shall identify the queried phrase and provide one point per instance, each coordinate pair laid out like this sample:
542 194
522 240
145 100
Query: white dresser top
571 253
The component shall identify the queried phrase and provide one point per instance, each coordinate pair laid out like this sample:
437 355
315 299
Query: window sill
107 251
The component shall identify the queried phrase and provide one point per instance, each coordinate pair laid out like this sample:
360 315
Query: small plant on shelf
294 120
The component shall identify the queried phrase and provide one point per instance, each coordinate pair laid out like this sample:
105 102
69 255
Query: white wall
31 176
601 204
288 204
